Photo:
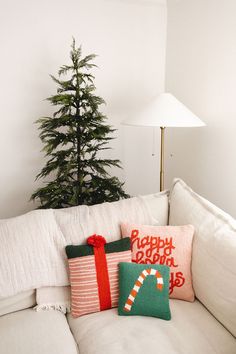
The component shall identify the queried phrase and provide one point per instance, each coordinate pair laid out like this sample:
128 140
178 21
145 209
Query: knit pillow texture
144 290
166 245
93 272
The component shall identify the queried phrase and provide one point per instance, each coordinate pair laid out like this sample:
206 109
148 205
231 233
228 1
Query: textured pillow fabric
168 245
32 253
214 251
94 274
144 290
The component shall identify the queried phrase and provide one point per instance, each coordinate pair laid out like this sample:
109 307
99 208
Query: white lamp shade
166 111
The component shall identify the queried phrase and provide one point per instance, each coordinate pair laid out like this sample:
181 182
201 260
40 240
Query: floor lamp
165 111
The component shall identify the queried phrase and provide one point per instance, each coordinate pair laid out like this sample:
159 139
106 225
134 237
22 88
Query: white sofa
206 326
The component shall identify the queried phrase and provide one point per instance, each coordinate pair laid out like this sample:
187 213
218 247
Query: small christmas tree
72 139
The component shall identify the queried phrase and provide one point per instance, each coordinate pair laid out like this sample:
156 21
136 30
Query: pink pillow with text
168 245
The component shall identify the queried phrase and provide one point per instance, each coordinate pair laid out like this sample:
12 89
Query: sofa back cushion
32 252
214 251
17 302
77 223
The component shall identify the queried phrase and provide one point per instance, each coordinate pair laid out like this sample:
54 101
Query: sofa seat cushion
192 329
31 332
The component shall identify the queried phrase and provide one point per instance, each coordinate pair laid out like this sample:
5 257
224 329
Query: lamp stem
162 159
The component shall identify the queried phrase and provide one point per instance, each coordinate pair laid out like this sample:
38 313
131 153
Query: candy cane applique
139 283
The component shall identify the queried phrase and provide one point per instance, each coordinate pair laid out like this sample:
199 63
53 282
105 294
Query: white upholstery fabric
32 252
30 332
214 251
158 205
105 219
17 302
192 330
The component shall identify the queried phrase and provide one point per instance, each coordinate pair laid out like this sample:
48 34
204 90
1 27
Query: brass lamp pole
162 159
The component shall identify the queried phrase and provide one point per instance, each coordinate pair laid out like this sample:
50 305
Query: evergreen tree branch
73 137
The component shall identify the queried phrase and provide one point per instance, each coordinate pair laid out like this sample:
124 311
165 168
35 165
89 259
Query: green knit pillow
144 290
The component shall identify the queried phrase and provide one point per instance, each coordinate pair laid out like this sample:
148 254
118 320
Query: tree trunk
79 170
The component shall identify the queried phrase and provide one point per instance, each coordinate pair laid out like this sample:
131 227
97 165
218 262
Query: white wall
129 37
201 72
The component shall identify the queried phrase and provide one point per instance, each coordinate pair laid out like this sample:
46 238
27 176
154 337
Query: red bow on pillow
96 241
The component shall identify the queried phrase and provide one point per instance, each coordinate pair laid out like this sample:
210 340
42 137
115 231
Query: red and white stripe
139 283
83 279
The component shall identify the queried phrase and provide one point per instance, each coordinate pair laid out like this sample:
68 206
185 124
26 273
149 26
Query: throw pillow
93 272
144 290
167 245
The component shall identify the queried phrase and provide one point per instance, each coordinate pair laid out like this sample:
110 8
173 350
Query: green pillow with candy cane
144 290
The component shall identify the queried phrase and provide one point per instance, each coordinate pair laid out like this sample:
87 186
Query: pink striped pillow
93 272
